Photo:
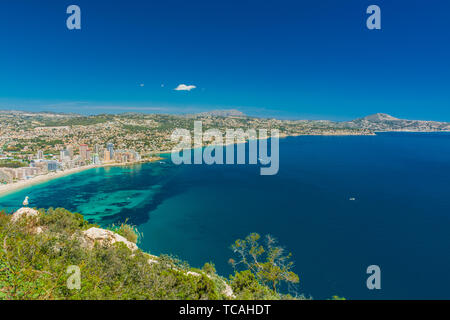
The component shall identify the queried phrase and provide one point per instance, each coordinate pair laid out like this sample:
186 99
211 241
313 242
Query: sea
339 204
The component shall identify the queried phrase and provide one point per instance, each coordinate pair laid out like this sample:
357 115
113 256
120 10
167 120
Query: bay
399 218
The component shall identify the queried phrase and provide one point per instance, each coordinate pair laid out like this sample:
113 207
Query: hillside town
38 143
33 144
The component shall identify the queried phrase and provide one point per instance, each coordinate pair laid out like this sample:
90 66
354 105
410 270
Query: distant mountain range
375 122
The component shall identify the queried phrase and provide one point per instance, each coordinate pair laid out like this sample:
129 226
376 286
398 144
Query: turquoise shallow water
400 219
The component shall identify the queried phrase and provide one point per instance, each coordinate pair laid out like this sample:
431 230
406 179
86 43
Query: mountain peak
380 117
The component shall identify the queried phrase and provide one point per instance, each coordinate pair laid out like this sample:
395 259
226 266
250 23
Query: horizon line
175 113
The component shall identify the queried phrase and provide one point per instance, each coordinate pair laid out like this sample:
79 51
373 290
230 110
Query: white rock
38 230
228 291
102 236
24 212
152 259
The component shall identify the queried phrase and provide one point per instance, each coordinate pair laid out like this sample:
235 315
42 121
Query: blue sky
288 59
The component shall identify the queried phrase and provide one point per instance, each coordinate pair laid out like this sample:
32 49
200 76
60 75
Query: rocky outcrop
89 237
28 212
104 237
24 212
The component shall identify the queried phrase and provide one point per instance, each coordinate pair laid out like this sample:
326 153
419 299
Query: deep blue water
400 219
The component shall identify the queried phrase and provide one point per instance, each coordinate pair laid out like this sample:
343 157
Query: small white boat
352 199
25 202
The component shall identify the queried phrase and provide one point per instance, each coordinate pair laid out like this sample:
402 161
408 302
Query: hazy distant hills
48 114
372 123
223 113
385 122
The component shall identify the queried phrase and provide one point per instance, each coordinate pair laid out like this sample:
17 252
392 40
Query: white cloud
183 87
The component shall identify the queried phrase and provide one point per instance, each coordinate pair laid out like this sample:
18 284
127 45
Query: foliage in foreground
265 267
34 266
129 232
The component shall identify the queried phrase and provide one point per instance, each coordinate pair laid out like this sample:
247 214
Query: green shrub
129 232
62 221
209 268
246 287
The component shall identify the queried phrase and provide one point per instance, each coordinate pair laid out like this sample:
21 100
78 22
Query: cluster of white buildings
7 175
37 167
68 160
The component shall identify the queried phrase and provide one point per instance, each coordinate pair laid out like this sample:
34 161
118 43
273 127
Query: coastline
22 184
7 189
281 136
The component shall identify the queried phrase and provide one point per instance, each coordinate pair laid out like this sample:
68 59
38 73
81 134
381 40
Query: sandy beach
12 187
